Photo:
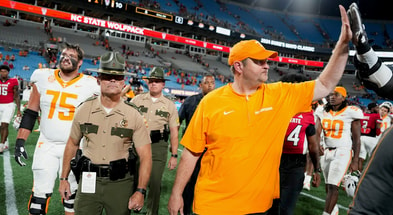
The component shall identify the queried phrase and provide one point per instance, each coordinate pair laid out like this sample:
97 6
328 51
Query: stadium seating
375 32
25 34
213 9
31 61
78 37
331 26
267 23
272 23
243 15
168 6
305 27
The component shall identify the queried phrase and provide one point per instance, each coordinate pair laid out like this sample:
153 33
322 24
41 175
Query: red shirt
369 124
7 90
294 142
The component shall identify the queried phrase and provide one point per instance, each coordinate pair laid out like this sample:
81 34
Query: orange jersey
244 138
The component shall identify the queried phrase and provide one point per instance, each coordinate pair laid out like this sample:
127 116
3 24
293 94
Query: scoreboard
133 9
153 13
110 3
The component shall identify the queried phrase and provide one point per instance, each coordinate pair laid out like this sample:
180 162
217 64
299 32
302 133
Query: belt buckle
103 171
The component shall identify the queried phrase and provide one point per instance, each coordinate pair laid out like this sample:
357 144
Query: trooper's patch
123 123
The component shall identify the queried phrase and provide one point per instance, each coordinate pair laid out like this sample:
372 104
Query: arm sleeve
194 139
182 112
310 130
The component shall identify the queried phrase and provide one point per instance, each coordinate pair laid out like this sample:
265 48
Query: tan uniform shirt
108 135
162 111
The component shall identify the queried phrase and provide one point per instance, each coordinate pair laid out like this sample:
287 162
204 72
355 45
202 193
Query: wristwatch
174 155
318 170
141 190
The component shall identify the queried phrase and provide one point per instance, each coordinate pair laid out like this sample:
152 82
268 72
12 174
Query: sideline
322 200
10 200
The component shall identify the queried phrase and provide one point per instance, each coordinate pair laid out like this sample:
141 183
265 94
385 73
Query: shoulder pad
132 105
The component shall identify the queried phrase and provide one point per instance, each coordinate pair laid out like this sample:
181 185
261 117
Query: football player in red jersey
9 93
369 132
299 138
309 172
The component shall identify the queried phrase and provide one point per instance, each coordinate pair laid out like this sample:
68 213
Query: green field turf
23 181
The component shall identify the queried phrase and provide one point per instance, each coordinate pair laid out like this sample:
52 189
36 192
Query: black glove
359 38
20 151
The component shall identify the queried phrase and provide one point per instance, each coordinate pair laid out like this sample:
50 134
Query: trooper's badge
123 123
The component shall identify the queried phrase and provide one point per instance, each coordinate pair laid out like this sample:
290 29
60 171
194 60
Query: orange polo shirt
244 137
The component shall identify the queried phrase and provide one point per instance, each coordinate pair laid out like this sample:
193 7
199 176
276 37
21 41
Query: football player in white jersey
56 93
384 112
340 124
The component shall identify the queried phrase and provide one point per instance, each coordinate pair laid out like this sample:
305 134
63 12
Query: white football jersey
337 126
386 123
58 100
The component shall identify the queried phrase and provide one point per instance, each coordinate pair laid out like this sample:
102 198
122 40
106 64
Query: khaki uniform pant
110 195
159 156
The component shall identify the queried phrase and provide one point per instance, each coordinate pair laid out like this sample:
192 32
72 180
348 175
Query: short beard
73 68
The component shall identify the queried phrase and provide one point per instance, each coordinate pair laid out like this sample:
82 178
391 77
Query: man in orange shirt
243 126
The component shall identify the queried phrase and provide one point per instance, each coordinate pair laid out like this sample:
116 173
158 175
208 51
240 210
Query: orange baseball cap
249 48
341 90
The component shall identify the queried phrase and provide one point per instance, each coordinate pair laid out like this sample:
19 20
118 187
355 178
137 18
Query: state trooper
113 133
163 121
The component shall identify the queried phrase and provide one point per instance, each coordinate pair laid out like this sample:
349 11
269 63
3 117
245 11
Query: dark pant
188 193
291 181
111 196
159 157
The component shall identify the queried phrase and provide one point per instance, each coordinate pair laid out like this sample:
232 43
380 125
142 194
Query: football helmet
350 182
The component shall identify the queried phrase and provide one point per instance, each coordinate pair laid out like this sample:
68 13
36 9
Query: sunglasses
106 77
156 81
259 62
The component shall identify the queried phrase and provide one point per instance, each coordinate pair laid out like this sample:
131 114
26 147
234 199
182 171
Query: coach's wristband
63 179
